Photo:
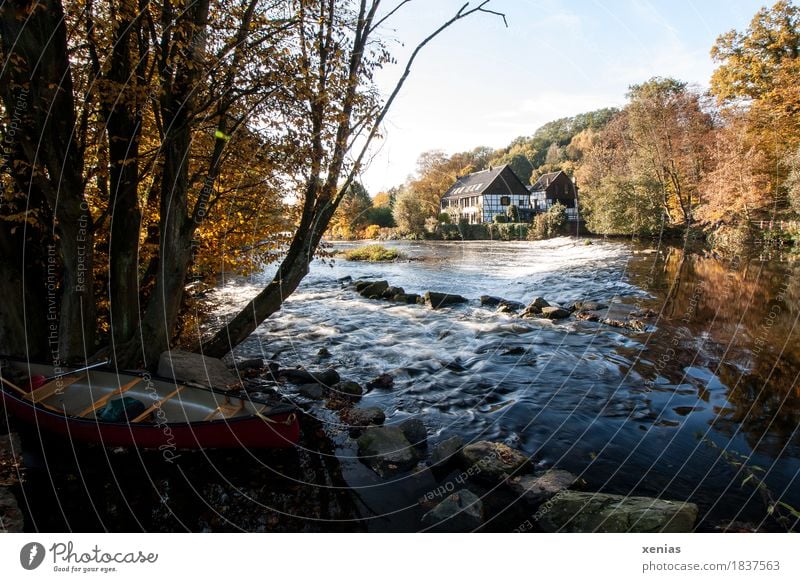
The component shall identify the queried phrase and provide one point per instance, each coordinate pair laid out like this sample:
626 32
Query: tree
668 132
753 61
338 58
410 213
172 141
737 186
353 212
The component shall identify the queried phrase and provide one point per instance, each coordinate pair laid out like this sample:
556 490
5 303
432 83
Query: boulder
349 388
437 300
590 306
312 391
384 381
183 366
410 298
539 302
492 461
415 431
574 511
374 290
445 451
361 417
554 313
490 300
587 316
531 312
11 518
392 291
506 306
323 353
327 377
536 489
345 279
361 285
460 512
386 450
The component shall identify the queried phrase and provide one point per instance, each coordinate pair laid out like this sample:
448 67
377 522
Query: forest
675 157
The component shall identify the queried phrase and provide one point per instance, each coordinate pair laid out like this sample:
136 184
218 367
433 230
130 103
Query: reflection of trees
748 336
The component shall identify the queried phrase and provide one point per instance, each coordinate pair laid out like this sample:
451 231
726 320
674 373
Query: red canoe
175 415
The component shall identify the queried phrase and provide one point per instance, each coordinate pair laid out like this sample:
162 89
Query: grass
373 254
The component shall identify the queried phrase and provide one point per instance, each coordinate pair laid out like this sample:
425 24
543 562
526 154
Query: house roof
478 182
545 180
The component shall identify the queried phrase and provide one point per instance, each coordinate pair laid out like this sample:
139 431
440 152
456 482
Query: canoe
175 415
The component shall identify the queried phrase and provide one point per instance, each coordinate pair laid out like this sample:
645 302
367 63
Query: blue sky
480 83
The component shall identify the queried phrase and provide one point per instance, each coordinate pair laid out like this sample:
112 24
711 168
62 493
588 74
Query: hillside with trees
674 157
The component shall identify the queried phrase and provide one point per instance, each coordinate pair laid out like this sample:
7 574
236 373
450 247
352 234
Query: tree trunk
38 95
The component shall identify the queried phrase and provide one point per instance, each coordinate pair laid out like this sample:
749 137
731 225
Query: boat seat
50 389
157 404
226 410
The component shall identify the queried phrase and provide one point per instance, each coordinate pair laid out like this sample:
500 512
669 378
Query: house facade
555 187
479 196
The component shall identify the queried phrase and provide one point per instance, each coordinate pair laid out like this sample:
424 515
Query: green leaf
220 135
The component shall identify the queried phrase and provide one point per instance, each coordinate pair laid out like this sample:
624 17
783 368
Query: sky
482 84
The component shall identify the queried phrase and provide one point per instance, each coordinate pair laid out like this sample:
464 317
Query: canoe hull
276 431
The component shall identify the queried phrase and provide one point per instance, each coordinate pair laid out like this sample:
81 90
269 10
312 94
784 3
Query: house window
521 202
505 200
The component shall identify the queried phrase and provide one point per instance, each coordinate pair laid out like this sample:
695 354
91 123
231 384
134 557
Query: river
704 405
687 410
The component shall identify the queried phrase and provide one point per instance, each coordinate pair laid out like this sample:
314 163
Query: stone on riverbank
460 512
536 489
446 451
361 417
327 377
190 367
437 300
11 518
386 450
349 388
574 511
311 391
554 313
415 431
493 461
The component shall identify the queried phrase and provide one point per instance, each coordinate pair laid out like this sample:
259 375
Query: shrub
372 231
550 223
373 254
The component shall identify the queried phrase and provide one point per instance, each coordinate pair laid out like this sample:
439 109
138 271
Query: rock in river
574 511
437 300
360 417
539 302
327 377
493 461
445 451
374 290
536 489
460 512
415 431
554 313
490 300
386 450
